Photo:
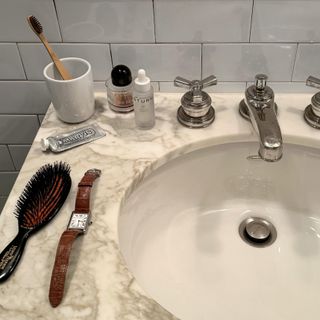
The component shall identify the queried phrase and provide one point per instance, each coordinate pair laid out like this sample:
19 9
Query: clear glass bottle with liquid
143 101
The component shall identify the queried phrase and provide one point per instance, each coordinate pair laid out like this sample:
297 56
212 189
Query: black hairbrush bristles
39 202
47 189
35 24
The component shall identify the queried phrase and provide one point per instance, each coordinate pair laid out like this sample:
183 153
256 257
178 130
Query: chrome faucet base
244 112
195 122
312 111
195 110
311 118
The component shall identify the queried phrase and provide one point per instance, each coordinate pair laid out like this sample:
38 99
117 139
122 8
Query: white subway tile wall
13 23
232 39
203 21
242 61
18 129
161 61
35 57
222 87
5 159
24 97
3 200
100 86
40 118
285 21
18 154
7 180
109 21
307 61
289 87
11 67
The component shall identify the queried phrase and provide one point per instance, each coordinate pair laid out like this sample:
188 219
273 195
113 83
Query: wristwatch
78 224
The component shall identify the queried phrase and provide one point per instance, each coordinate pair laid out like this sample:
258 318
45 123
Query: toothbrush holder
73 100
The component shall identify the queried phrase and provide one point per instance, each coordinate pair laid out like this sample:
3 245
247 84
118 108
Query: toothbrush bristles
35 24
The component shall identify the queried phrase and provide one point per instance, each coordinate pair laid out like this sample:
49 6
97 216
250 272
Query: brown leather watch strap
61 263
60 267
84 189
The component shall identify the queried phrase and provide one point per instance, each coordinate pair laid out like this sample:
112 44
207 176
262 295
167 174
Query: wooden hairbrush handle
10 256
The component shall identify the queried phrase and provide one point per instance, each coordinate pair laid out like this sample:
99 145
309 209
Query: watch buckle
95 171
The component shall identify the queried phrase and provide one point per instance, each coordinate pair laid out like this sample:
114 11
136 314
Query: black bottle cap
121 76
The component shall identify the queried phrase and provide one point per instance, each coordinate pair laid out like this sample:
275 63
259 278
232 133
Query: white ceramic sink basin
179 234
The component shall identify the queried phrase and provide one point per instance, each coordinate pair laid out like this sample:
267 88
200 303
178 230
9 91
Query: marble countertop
99 285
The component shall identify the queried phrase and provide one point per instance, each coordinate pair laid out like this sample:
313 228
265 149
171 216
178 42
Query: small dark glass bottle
119 89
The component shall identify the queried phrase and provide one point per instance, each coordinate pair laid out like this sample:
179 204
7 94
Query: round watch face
79 221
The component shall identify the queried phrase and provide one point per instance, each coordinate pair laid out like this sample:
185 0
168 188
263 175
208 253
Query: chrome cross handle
195 110
195 84
313 82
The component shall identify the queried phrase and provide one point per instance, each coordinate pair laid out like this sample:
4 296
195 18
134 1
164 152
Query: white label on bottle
144 111
143 101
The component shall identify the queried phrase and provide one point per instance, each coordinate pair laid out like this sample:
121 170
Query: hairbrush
39 202
38 30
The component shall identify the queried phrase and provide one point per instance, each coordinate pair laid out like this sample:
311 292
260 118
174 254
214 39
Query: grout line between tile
58 21
21 80
111 56
18 144
166 43
17 80
225 81
38 120
294 62
18 114
250 30
11 158
7 171
201 61
21 60
154 21
207 43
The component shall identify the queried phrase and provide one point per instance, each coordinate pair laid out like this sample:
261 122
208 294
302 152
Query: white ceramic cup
73 100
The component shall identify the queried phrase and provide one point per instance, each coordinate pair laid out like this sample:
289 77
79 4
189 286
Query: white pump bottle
143 101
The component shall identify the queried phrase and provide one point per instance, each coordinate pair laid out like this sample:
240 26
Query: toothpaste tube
72 139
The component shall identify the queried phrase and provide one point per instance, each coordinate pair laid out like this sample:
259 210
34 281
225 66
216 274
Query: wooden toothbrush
38 30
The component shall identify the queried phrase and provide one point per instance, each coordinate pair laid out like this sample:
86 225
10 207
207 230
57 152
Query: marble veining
99 285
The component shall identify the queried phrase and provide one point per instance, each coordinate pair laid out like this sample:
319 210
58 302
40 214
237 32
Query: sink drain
257 232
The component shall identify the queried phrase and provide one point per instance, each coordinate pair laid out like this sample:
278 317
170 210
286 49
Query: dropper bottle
143 101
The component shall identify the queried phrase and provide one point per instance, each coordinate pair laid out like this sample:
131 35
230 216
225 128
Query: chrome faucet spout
264 121
260 108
